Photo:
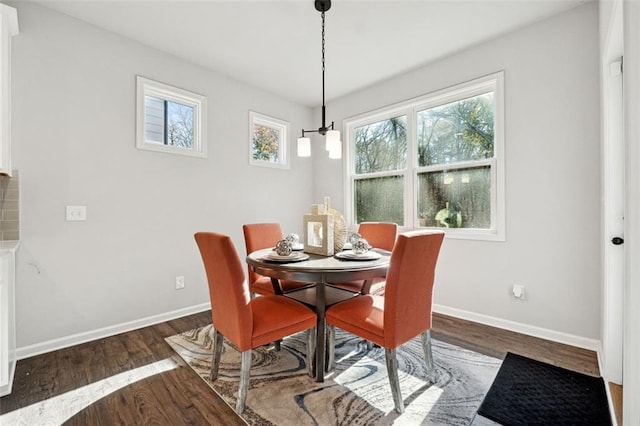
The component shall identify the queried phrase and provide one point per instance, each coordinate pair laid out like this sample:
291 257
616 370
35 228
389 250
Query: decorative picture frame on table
268 141
317 230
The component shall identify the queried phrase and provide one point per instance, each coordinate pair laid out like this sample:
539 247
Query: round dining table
319 271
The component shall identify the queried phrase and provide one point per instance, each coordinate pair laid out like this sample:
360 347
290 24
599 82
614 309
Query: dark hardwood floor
178 396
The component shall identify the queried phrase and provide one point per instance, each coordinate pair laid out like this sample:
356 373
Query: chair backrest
408 293
228 289
379 234
258 236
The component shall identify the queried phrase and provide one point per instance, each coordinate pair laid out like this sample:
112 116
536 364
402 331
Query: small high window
268 141
170 119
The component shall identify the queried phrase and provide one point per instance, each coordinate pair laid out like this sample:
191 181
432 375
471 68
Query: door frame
613 182
631 366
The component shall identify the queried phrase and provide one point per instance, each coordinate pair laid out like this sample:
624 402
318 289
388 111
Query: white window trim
493 82
147 87
283 145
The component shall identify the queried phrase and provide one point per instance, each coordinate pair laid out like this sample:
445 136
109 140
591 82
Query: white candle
327 204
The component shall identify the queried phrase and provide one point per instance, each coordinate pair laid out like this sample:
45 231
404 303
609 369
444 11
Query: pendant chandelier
333 142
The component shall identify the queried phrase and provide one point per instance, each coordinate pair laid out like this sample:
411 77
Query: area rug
357 392
530 392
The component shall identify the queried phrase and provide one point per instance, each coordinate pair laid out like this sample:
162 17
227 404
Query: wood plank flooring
616 396
178 396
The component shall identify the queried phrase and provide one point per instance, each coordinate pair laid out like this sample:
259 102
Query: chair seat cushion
355 286
264 286
377 287
362 316
275 317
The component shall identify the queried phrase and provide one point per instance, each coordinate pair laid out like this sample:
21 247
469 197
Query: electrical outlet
518 291
76 213
179 283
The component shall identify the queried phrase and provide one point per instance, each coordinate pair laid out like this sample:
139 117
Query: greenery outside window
380 162
432 162
170 119
268 141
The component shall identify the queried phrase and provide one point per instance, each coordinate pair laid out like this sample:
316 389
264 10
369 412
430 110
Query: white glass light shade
333 140
304 147
336 151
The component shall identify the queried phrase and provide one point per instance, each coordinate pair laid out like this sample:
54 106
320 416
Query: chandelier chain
323 61
332 135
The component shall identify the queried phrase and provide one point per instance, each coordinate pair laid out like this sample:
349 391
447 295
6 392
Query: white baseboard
64 342
75 339
530 330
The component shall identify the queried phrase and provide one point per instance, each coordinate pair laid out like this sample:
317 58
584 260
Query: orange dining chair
380 235
259 236
247 323
404 311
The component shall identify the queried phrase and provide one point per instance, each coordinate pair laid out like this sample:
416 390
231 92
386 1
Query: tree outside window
168 123
450 137
179 125
170 119
381 151
268 141
445 171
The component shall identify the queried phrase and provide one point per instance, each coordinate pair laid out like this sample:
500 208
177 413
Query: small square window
268 141
170 119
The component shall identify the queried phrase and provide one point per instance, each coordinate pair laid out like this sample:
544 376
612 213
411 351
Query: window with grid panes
432 162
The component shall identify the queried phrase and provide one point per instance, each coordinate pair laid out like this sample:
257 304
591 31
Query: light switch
76 213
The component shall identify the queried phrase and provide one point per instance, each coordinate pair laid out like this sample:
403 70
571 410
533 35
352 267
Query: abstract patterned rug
356 392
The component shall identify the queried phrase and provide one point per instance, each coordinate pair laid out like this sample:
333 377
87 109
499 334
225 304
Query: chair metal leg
277 345
245 371
218 339
331 343
392 372
311 352
428 356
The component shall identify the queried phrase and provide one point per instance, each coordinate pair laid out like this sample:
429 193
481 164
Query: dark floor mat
530 392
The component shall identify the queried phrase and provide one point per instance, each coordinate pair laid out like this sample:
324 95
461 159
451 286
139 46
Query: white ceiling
276 45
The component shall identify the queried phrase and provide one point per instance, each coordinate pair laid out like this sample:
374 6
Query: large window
170 119
432 162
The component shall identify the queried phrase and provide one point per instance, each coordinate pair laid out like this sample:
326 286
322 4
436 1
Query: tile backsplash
9 207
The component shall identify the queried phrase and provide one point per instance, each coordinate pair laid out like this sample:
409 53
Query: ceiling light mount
333 143
323 5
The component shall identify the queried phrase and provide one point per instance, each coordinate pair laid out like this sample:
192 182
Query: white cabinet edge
12 17
7 315
9 246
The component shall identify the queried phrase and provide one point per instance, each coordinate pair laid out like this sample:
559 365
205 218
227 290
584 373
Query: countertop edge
9 246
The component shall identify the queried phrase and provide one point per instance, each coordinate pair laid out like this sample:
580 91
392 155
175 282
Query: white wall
552 177
73 135
73 143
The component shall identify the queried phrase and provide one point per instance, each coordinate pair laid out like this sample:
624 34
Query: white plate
274 255
350 255
293 257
